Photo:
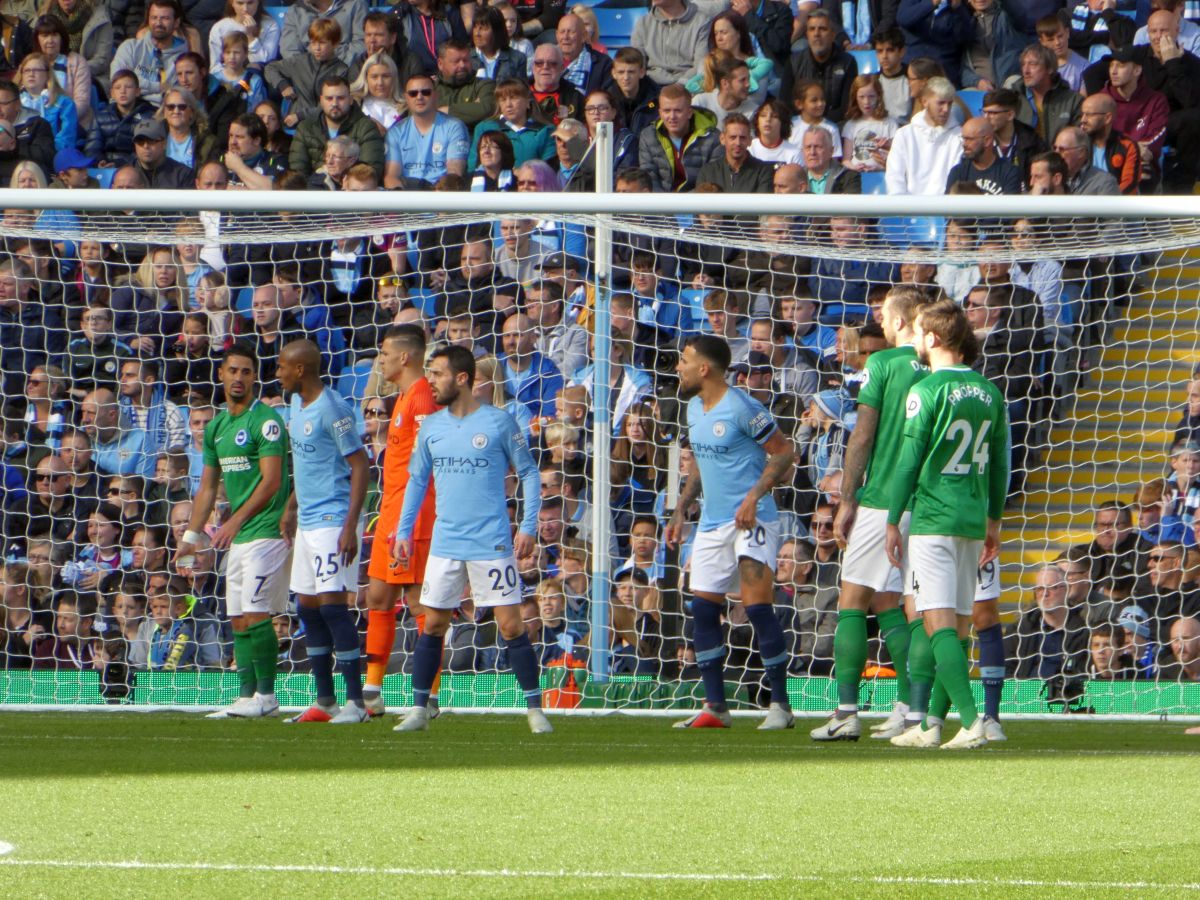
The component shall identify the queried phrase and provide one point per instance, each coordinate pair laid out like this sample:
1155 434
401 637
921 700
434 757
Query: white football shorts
317 567
865 561
715 555
256 577
494 582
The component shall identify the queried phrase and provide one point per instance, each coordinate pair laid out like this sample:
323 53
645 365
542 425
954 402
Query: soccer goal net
576 307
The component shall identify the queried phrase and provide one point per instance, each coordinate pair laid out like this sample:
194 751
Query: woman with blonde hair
212 295
492 390
23 622
591 26
639 467
149 309
48 406
378 90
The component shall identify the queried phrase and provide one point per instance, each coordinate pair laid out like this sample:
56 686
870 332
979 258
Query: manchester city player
468 449
329 479
740 455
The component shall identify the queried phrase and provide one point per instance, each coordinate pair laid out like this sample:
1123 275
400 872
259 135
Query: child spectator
772 134
297 78
171 640
516 39
809 101
1139 640
260 28
110 139
278 141
1109 657
636 625
72 647
104 551
656 299
1188 428
42 95
644 551
888 44
128 611
235 72
552 639
868 130
1181 499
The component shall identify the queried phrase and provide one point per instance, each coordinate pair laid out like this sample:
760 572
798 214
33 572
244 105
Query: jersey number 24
968 442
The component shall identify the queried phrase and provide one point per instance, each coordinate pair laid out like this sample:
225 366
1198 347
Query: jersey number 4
968 442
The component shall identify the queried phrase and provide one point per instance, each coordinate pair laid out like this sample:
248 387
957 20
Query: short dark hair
453 44
893 36
714 349
7 86
459 359
640 177
195 57
240 348
1005 97
409 335
1056 164
254 126
332 81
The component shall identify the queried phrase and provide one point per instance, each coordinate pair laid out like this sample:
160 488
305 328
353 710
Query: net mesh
1089 328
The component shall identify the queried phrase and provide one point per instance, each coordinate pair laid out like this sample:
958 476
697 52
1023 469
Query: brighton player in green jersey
953 472
245 448
869 581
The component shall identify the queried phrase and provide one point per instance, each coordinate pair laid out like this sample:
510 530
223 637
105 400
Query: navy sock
772 647
991 669
524 664
427 662
346 648
709 643
319 643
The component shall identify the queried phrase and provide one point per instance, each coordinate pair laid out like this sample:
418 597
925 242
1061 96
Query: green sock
243 659
955 673
939 703
266 655
894 629
849 655
920 669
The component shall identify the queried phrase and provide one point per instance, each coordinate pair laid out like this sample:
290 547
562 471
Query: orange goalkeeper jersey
411 410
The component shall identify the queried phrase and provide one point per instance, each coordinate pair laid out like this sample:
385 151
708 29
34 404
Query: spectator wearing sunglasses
426 144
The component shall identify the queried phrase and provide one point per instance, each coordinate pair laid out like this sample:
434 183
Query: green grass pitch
165 805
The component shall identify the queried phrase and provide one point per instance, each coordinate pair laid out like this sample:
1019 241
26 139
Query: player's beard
687 392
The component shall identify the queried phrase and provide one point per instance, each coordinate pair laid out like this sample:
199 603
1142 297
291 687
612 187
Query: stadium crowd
108 347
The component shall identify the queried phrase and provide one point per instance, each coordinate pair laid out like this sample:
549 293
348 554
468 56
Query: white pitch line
415 872
5 849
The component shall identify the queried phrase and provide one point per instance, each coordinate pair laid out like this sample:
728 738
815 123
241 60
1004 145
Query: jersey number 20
968 442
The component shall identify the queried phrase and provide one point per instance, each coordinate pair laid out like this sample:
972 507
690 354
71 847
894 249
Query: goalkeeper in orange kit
402 363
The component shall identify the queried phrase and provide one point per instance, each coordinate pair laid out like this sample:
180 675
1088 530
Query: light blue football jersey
469 458
727 444
322 435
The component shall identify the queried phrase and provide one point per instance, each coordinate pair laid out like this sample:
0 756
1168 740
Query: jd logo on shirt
241 437
270 431
479 441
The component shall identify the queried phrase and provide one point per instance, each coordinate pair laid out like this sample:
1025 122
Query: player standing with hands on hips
740 457
953 469
329 486
244 447
468 449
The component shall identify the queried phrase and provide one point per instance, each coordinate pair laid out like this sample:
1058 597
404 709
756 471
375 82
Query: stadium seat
874 183
104 176
905 231
868 63
973 99
692 301
616 23
425 300
276 12
352 384
241 301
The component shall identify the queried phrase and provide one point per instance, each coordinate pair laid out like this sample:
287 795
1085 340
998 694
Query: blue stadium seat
692 301
973 99
425 300
616 24
276 12
874 183
352 384
104 176
905 231
241 301
868 62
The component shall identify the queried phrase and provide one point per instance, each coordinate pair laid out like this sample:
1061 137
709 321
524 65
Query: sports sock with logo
991 669
849 656
709 643
772 647
318 643
345 647
954 672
